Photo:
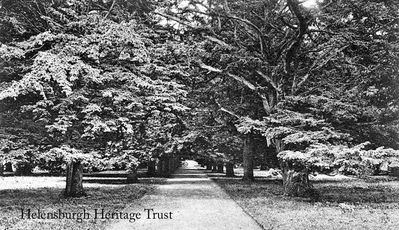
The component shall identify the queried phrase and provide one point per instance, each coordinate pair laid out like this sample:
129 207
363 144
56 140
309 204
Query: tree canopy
127 81
92 84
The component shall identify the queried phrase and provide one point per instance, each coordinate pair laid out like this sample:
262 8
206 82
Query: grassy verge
346 204
49 199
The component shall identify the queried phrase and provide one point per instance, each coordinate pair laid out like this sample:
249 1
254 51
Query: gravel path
195 202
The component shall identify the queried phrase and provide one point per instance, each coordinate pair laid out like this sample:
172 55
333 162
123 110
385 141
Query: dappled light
199 114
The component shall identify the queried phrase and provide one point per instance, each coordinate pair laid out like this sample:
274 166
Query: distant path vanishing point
196 203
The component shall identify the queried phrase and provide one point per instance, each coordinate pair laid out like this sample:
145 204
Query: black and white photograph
199 114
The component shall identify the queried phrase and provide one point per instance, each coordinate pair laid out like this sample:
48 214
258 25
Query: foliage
116 79
334 60
292 130
107 88
349 160
54 159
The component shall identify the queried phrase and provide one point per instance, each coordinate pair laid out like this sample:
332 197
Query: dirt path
195 201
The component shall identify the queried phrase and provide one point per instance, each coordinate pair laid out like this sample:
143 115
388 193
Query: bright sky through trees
311 3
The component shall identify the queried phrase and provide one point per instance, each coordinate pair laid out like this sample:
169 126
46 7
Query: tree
279 50
326 158
91 85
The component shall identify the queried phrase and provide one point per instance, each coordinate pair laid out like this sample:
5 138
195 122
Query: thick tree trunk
248 163
159 167
229 169
74 180
171 165
151 168
163 168
8 167
264 161
220 168
167 167
132 176
297 184
24 169
1 169
178 163
271 157
208 166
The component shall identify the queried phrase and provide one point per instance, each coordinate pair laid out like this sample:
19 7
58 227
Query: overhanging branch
243 81
268 80
218 41
209 68
176 19
226 110
237 78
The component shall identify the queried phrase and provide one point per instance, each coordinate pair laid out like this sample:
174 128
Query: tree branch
110 9
295 45
243 81
249 85
210 68
176 19
230 16
237 78
218 41
226 110
268 80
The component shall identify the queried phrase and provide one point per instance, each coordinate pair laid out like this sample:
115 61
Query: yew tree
336 59
95 84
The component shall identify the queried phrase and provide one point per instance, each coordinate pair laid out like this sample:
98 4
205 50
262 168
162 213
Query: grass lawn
44 193
344 203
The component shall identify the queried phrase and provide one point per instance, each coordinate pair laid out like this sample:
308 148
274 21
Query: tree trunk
8 167
23 168
132 176
271 159
208 166
214 168
74 180
167 167
229 169
151 168
171 165
248 163
297 184
163 168
220 168
263 163
1 169
160 167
